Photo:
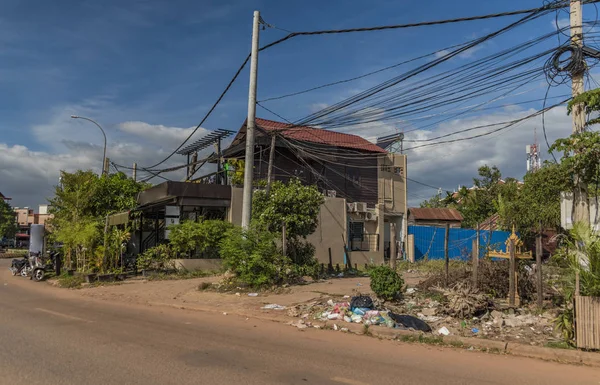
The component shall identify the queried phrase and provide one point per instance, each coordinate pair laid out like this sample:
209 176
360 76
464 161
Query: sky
148 71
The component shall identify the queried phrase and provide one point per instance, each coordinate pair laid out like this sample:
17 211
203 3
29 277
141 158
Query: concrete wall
198 264
392 183
331 232
234 212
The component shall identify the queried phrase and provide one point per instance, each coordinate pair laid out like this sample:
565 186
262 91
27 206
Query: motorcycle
19 266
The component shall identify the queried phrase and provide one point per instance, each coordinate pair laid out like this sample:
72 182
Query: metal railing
364 242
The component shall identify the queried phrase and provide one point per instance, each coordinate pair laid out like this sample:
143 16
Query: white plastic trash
444 331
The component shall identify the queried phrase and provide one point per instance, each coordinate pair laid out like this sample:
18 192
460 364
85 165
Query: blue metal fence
429 242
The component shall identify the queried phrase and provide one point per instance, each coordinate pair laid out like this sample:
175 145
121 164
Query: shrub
254 257
70 281
385 282
156 258
201 237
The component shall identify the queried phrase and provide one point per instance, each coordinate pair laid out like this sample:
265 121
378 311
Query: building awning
19 235
118 219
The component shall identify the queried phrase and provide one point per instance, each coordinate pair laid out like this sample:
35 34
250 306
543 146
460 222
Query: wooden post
511 274
283 240
476 257
538 265
105 256
393 250
446 256
330 266
270 167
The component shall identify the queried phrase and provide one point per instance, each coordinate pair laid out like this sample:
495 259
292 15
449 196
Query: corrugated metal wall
429 242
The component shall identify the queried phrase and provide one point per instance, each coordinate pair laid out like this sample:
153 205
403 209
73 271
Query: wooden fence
587 322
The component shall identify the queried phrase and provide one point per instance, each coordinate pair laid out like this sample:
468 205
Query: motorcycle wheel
38 275
24 273
13 271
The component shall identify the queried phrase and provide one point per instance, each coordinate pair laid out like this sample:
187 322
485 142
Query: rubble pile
360 310
419 311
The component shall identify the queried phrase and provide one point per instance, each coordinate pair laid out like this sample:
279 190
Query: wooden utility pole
581 210
270 168
134 176
446 256
283 240
538 265
511 273
475 257
250 126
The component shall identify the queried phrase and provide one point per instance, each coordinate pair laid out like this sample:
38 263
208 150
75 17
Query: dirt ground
311 300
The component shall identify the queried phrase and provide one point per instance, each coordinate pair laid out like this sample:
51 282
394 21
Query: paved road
51 336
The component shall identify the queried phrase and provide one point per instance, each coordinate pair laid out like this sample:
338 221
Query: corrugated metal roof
441 214
317 135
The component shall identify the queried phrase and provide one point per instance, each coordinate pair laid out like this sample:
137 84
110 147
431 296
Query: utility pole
270 168
106 166
134 176
250 125
538 265
581 210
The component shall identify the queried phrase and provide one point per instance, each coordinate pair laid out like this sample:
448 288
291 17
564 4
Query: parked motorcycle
18 266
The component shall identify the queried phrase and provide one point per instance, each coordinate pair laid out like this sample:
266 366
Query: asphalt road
53 336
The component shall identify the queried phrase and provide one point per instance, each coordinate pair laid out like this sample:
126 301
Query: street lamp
104 170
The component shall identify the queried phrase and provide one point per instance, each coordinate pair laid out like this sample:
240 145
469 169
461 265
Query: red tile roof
318 135
441 214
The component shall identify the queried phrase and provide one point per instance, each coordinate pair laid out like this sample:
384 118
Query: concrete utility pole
581 210
134 177
250 125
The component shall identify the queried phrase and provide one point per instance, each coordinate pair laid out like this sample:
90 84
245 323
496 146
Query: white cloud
561 23
315 107
29 176
451 164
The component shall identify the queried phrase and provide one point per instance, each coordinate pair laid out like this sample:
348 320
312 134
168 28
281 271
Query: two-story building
363 219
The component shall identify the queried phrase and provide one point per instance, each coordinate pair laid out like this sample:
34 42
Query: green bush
200 238
156 258
385 282
254 257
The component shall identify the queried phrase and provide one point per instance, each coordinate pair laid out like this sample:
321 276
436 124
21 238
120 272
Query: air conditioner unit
370 216
331 193
361 207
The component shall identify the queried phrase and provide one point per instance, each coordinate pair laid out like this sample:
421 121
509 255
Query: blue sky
149 70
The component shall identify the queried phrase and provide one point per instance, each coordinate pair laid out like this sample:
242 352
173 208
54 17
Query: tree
8 226
479 203
435 201
80 205
293 203
296 205
537 200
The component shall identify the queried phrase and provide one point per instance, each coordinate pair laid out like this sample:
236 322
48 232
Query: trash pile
360 310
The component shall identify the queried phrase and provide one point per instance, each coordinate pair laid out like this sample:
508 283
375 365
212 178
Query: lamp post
104 169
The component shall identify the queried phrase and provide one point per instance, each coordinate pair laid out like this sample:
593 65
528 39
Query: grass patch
423 339
559 345
183 274
70 281
456 344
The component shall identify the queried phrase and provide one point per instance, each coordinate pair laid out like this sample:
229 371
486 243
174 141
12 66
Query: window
353 175
357 230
